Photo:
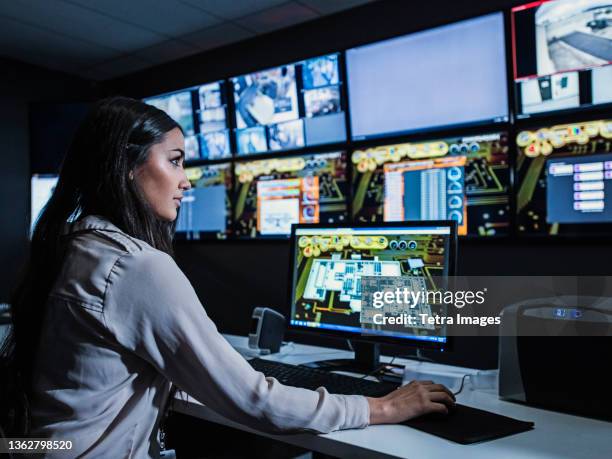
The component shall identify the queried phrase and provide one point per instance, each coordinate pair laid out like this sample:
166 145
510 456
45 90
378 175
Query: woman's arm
152 309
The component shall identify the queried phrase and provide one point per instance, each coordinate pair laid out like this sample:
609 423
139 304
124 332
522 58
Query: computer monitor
272 194
562 51
564 179
289 107
333 267
42 187
454 75
202 113
206 208
461 178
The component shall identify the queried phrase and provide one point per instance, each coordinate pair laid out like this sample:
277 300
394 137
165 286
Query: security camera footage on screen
461 178
454 75
202 113
274 193
564 179
289 107
562 51
206 208
331 267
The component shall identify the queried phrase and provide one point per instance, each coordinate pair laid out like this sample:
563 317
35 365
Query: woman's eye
176 161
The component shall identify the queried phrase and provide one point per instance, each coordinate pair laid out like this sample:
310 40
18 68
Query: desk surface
556 435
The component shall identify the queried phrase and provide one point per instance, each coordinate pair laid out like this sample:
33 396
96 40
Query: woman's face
161 178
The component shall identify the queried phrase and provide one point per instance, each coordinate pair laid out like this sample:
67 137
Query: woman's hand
410 401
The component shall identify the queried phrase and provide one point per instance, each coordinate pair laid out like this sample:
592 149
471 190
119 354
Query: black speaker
267 330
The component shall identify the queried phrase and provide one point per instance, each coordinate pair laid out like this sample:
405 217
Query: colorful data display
460 178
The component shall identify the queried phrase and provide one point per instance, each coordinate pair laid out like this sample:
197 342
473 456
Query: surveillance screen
564 179
201 112
562 51
205 211
459 178
289 107
274 193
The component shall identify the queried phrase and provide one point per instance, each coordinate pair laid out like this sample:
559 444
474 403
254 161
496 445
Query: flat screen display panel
562 51
272 194
454 75
289 107
42 187
564 179
465 179
206 208
334 269
202 113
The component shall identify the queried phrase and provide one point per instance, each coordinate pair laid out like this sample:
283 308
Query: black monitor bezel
414 343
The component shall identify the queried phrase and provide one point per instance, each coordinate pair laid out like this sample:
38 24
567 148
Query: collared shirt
122 322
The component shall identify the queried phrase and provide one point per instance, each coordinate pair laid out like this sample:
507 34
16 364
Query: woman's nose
185 184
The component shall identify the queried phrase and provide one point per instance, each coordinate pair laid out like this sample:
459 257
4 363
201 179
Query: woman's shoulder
96 250
101 233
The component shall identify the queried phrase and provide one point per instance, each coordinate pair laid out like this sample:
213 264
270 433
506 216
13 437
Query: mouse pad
467 425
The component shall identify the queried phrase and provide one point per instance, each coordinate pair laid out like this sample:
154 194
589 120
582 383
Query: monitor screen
562 51
465 179
274 193
201 112
333 269
454 75
564 179
206 208
289 107
42 187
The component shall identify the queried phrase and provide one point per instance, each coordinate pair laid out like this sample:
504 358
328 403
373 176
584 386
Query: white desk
555 435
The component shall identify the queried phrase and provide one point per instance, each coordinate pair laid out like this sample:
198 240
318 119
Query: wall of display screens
443 94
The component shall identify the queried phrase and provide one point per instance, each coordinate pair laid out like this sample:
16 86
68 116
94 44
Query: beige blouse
123 322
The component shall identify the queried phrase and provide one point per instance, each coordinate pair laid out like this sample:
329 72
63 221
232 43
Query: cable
378 369
461 386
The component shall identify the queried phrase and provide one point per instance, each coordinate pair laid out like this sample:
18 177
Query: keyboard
313 378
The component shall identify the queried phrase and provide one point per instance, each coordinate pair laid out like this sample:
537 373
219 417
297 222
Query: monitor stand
367 360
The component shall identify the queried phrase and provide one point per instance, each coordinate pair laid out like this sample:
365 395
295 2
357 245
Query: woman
105 320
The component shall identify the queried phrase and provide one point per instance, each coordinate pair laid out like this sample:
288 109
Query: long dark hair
114 139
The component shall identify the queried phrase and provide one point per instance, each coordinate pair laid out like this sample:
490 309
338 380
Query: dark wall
365 24
21 85
232 277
